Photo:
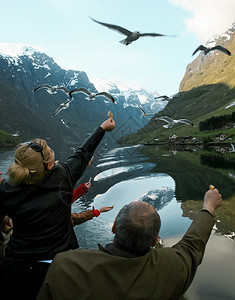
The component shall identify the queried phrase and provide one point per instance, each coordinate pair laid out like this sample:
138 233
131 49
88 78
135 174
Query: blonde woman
38 197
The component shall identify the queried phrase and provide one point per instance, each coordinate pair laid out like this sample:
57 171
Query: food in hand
211 187
110 115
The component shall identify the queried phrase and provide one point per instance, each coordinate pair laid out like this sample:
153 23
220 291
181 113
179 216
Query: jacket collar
116 250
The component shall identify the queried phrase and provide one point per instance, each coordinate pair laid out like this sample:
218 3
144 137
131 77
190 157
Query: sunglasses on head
36 147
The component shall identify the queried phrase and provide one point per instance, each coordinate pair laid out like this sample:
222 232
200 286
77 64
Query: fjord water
174 182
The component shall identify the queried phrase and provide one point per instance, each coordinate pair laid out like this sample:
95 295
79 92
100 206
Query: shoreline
188 144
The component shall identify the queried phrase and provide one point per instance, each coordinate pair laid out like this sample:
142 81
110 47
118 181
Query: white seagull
233 148
144 114
131 35
206 50
63 105
165 97
91 96
172 122
17 133
52 89
230 105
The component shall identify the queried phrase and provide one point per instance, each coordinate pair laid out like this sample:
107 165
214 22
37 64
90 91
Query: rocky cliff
215 67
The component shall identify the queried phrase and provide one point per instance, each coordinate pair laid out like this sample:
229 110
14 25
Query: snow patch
14 50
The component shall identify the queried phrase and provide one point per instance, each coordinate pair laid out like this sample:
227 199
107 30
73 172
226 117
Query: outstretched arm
190 249
79 218
77 163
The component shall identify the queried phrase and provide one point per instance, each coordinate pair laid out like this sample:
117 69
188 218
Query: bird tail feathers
124 42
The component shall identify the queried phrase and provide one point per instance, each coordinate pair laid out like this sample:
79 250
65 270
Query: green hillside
196 105
7 140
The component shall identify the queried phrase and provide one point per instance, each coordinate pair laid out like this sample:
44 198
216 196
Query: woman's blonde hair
29 166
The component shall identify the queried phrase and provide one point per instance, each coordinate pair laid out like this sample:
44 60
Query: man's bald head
137 226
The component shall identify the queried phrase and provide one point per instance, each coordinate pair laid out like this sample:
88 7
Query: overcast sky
67 34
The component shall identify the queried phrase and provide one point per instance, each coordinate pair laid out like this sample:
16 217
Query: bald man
130 267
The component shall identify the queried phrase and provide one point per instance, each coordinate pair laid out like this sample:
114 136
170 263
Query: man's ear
114 227
155 241
50 165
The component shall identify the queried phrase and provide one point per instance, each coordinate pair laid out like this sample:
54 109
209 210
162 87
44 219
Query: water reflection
116 171
110 163
158 198
6 158
215 276
157 189
218 162
193 171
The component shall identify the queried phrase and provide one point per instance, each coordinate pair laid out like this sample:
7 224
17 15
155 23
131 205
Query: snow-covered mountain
130 95
24 67
224 37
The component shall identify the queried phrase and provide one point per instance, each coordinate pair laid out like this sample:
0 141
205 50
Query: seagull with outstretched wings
163 97
166 98
131 35
91 96
206 50
52 89
171 122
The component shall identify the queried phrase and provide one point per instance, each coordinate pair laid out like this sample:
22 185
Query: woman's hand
105 208
88 184
108 125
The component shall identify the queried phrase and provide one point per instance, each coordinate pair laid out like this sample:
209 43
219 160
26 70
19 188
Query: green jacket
164 273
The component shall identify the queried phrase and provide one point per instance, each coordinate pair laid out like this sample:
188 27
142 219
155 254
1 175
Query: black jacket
41 211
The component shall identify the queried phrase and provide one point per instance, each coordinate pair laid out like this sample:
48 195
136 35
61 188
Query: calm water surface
174 182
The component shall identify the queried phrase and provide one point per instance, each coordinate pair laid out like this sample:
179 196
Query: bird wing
201 47
155 34
63 105
77 90
67 102
165 118
222 49
58 110
107 95
142 109
63 88
164 96
43 86
114 27
186 121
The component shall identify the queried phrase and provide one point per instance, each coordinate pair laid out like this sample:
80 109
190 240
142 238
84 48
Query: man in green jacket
130 267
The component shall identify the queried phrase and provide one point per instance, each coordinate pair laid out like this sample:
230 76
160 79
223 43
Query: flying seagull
17 133
206 50
233 148
172 122
144 114
230 105
165 97
91 96
131 35
63 105
52 89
